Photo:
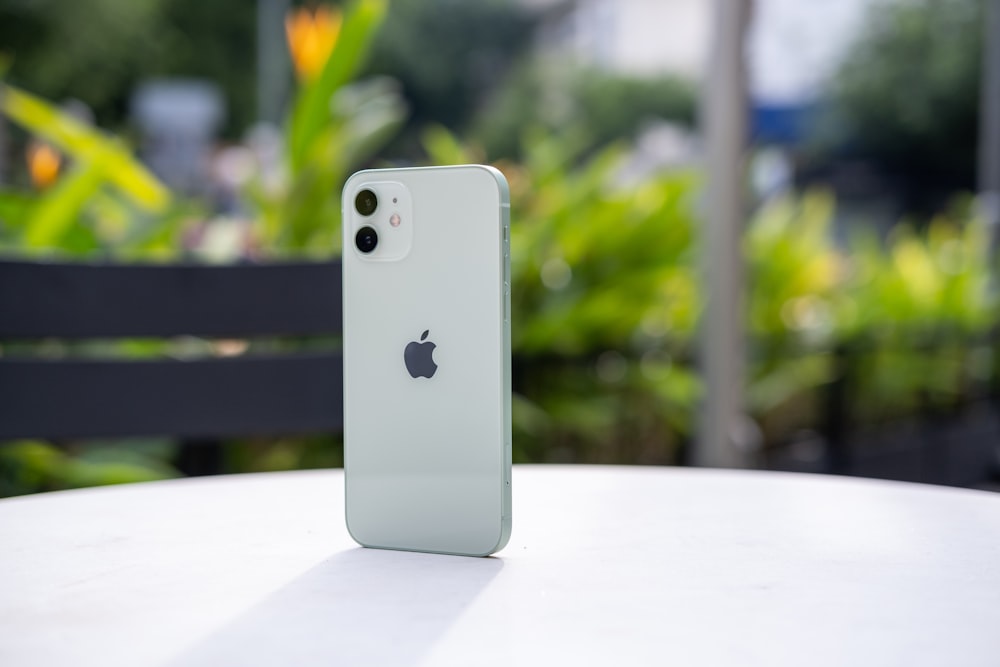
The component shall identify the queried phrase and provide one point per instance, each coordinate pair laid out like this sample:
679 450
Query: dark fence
941 430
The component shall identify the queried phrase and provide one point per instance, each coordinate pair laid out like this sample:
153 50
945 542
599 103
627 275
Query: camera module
366 202
366 239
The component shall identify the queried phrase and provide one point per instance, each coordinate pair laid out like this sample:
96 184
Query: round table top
606 565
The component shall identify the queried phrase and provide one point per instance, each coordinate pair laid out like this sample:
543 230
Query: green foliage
93 50
334 126
96 51
795 304
108 201
85 145
594 261
103 173
930 283
923 312
448 55
215 41
908 91
322 451
311 110
590 105
796 271
911 316
29 466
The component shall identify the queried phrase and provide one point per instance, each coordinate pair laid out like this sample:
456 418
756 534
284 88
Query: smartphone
426 345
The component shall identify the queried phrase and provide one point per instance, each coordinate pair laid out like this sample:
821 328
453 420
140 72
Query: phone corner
349 184
487 546
501 543
504 536
351 531
501 182
505 531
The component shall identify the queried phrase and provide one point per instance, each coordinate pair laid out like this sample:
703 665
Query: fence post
838 411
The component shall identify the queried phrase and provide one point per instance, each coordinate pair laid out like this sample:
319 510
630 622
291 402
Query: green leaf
15 207
443 147
60 208
311 111
85 144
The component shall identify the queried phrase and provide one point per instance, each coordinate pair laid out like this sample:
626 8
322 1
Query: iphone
427 359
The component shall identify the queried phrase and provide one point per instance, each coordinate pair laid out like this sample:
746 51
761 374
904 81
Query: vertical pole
272 60
989 122
724 127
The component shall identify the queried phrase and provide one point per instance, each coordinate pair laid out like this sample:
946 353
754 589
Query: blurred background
866 342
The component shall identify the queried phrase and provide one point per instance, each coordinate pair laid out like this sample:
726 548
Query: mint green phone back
427 459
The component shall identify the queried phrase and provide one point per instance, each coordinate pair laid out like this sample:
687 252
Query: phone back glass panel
427 360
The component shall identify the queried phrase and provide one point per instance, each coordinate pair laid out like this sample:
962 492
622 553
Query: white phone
427 441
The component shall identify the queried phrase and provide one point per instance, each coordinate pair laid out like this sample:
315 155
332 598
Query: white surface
605 566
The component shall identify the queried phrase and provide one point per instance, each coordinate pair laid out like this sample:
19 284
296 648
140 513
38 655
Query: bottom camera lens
366 239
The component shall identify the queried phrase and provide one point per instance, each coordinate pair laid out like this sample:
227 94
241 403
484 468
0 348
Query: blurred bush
104 198
105 201
336 123
96 51
30 466
592 106
448 57
924 320
913 316
907 95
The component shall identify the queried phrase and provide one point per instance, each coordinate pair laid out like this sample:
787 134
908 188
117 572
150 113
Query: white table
606 566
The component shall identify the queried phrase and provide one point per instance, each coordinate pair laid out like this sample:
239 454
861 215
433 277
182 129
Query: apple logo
418 358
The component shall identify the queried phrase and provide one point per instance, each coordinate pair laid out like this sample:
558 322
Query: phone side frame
506 521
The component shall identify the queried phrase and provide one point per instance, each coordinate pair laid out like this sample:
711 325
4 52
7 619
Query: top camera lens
366 202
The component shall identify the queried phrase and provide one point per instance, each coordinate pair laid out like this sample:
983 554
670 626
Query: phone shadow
363 606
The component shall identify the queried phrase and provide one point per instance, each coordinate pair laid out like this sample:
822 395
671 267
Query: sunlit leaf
84 144
60 207
311 110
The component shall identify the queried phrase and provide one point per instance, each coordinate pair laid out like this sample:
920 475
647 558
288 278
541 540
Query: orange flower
43 164
312 35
